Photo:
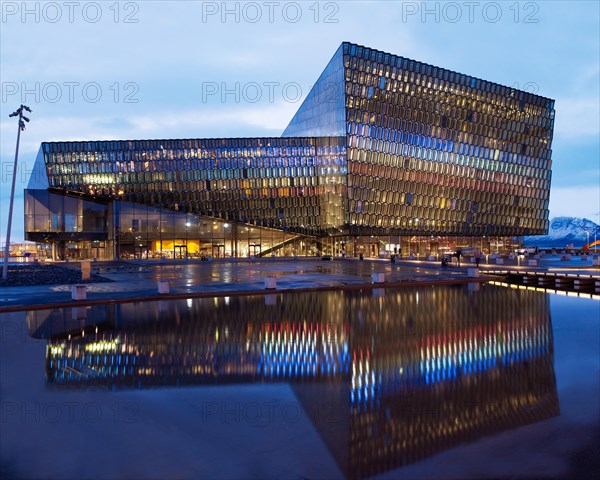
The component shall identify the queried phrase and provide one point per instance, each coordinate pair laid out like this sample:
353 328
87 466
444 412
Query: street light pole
20 128
587 242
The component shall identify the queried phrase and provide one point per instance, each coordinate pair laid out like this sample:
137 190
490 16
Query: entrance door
218 251
254 250
97 249
180 251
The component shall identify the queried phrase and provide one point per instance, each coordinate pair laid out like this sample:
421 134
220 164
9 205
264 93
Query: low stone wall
29 275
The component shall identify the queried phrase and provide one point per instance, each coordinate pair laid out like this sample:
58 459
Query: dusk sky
143 70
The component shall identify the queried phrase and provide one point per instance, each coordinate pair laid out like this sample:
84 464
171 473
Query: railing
563 281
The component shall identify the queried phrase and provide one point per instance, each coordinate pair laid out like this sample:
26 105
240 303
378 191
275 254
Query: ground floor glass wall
238 241
142 232
129 231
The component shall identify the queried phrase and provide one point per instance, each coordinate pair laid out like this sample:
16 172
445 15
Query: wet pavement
140 280
136 280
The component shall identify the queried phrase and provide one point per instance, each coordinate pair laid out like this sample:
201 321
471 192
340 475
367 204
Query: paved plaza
139 280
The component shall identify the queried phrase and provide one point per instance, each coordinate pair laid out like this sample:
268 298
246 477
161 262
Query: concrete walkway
138 280
134 281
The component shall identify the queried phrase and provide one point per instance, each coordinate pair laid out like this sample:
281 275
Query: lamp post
587 242
188 224
20 128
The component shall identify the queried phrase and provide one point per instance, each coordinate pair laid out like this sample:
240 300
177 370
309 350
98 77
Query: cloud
577 117
218 121
578 109
575 202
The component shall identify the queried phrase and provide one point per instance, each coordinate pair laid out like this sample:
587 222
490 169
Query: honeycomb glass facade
431 151
382 146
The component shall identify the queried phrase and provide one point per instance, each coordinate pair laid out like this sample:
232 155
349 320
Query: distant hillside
564 231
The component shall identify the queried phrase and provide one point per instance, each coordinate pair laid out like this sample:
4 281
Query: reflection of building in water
387 380
473 365
207 340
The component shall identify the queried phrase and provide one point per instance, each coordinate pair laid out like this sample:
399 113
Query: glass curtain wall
433 152
76 228
291 184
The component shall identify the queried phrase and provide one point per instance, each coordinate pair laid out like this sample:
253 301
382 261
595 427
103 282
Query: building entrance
180 251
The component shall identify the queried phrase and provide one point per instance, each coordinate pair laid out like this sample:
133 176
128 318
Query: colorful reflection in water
410 372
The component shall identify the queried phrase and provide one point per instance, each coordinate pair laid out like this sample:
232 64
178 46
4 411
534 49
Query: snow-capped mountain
566 230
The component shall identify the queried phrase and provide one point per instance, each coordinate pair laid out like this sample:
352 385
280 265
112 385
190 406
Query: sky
191 69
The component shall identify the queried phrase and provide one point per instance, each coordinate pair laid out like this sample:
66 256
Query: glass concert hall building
386 154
